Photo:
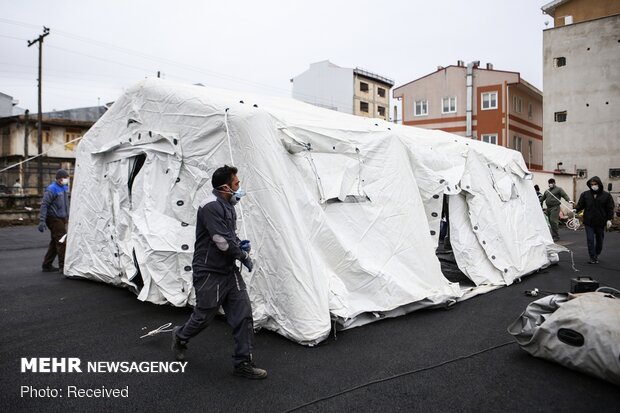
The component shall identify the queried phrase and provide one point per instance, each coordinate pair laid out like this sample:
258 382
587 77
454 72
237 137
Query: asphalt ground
461 359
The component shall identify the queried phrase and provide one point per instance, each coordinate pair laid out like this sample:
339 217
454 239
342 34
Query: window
582 173
421 107
381 110
489 100
448 105
72 136
46 136
363 86
5 147
364 107
614 173
530 110
517 143
530 145
490 139
516 104
559 62
560 116
381 92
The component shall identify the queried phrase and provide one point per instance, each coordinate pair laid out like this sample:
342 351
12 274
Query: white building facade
354 91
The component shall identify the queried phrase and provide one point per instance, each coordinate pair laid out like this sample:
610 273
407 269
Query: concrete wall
56 146
327 85
588 89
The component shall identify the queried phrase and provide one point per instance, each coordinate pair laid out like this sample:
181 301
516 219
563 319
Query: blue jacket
55 202
217 244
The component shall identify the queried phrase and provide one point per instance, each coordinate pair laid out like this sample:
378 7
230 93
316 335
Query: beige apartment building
354 91
495 106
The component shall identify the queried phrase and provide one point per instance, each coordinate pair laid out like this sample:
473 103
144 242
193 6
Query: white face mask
551 186
65 181
594 187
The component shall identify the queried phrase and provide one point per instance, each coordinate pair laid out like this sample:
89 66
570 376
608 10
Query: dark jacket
217 244
55 202
598 206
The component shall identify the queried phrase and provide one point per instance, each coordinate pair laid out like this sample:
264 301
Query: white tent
343 211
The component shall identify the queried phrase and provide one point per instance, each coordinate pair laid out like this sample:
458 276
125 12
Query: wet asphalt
461 359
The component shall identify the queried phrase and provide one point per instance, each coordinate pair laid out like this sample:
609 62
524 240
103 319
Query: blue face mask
236 195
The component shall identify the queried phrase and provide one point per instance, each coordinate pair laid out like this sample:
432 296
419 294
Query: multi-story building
581 75
355 91
61 131
494 106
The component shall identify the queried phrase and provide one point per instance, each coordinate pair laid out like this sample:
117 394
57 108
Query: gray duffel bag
580 331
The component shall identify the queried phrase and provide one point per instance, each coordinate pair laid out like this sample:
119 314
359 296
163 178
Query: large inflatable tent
343 212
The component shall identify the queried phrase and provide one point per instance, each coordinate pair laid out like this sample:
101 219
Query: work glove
245 245
608 224
41 226
247 262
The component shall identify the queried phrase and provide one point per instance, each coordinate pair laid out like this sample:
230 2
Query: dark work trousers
229 291
58 228
595 237
553 213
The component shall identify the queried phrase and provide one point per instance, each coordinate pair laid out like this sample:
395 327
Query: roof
448 67
550 7
373 76
70 117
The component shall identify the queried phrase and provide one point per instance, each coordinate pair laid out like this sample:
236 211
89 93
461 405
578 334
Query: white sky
98 48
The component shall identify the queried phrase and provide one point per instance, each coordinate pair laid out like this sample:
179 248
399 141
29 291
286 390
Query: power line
319 100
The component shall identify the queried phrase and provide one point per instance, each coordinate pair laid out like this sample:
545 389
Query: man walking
54 215
552 197
598 207
217 280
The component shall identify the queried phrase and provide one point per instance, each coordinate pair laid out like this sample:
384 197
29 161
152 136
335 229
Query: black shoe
49 269
593 260
178 346
248 370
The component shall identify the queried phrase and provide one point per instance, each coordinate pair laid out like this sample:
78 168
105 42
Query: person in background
538 193
552 198
17 188
55 215
598 207
217 279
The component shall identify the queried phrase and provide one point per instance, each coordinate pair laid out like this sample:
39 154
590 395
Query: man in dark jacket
217 280
598 207
552 197
54 215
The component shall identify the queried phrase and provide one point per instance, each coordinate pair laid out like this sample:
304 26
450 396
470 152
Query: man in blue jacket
55 215
217 280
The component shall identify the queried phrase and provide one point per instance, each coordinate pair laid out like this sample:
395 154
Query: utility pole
26 180
39 40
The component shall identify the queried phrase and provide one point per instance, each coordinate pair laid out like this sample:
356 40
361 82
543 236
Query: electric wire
134 53
382 380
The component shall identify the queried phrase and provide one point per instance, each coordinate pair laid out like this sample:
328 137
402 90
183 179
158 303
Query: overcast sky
97 48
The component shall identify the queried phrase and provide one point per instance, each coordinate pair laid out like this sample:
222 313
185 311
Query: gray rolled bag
581 332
